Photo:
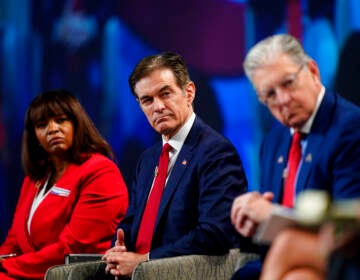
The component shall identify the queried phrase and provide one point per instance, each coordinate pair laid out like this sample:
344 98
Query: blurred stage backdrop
90 47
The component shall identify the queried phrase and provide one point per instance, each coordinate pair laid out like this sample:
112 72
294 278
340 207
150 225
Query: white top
37 200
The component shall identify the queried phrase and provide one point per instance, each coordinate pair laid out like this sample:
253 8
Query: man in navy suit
288 82
204 176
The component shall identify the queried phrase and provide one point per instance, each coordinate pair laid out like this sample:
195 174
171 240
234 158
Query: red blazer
79 215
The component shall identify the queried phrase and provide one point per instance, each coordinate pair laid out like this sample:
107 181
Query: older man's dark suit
331 159
194 213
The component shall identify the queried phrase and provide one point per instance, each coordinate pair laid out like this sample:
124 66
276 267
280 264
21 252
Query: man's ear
190 91
314 69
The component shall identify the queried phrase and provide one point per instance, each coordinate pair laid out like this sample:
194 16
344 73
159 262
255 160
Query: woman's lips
56 140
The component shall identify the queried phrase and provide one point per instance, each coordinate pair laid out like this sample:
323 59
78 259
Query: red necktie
293 164
146 230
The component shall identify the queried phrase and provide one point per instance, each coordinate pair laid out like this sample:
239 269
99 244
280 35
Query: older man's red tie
293 165
146 229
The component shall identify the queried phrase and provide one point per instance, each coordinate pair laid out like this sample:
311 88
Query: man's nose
158 104
282 96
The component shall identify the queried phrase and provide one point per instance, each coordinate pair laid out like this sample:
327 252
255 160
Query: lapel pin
280 159
184 162
308 158
285 173
156 171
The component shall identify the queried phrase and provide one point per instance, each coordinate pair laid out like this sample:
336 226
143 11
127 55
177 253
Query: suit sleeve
219 177
127 223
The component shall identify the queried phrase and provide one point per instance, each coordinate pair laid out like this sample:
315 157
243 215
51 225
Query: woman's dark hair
167 60
87 138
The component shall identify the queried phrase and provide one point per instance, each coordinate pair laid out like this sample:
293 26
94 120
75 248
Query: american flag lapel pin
280 159
184 162
308 158
285 173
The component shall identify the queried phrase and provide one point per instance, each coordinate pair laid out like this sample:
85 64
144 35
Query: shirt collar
307 126
177 141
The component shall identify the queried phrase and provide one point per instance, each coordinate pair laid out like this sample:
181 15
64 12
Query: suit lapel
312 148
315 139
146 181
182 162
280 166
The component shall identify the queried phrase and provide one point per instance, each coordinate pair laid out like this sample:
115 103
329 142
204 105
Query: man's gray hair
265 50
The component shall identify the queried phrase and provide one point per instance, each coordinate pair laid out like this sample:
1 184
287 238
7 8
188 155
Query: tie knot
166 148
297 136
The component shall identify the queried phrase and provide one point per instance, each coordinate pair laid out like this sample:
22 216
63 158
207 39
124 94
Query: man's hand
250 209
119 247
120 240
119 261
122 263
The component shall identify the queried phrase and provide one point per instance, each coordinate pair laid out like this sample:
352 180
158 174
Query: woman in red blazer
73 195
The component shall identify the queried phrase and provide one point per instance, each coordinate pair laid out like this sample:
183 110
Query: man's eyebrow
144 97
165 87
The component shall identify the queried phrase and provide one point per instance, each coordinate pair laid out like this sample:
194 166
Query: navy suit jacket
194 213
331 159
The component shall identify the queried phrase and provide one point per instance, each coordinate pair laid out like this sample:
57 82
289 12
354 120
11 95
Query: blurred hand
250 209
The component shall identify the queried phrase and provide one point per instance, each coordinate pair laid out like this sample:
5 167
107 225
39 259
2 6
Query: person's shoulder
208 132
151 151
97 157
276 132
97 160
208 141
95 165
29 183
338 119
346 116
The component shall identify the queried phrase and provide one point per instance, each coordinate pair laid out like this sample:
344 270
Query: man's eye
270 94
145 101
165 94
288 83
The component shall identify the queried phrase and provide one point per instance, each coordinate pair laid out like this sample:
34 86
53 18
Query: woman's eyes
58 120
40 125
61 120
